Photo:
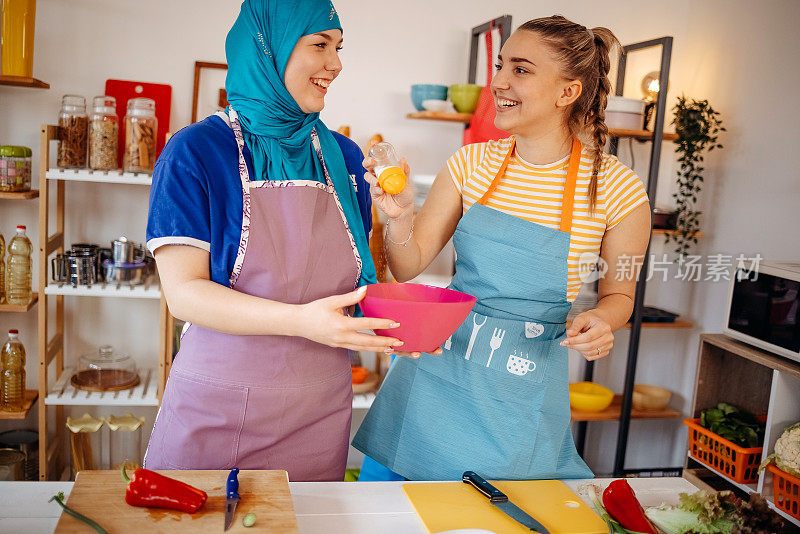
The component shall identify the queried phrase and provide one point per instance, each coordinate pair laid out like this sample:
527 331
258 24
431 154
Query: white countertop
321 507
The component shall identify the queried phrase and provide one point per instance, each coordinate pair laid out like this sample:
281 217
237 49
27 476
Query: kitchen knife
232 497
499 499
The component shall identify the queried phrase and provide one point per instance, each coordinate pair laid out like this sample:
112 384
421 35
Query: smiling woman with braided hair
525 213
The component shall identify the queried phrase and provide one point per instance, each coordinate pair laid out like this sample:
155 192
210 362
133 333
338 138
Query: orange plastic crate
735 462
786 490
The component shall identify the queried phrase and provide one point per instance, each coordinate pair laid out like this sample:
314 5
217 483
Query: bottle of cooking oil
18 271
12 380
2 270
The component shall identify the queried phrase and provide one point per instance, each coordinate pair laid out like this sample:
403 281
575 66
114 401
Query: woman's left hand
590 335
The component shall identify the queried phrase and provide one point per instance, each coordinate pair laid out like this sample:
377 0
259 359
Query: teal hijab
276 131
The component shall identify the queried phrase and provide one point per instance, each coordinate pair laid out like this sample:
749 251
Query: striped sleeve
624 192
457 165
462 164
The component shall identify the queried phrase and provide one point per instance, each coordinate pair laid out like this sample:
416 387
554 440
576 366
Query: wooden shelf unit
20 195
20 308
30 400
465 118
612 413
678 323
23 81
51 333
757 381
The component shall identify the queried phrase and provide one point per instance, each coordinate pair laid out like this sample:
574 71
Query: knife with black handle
500 500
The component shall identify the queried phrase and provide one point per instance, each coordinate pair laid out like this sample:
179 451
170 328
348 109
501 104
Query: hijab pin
263 45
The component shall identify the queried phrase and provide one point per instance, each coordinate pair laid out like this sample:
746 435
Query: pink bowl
427 315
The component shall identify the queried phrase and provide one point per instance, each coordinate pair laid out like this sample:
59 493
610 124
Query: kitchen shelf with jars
89 151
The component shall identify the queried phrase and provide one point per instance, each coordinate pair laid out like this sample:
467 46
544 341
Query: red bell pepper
153 490
621 503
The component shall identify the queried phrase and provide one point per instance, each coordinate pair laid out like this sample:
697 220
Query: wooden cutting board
100 495
455 505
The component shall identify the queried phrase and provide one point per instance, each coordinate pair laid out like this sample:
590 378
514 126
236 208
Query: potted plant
697 126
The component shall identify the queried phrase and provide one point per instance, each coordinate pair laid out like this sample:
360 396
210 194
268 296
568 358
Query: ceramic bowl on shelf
427 91
427 314
439 106
465 96
650 398
589 397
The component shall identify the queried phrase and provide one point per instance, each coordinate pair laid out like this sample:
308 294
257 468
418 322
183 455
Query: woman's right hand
394 206
325 321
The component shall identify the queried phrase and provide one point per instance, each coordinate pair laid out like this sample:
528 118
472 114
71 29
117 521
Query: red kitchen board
124 90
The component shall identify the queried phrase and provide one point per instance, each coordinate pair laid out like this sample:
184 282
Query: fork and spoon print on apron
516 361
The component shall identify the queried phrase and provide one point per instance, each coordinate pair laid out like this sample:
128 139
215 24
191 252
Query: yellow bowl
646 397
589 397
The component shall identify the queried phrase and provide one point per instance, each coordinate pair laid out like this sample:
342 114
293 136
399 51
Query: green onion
60 500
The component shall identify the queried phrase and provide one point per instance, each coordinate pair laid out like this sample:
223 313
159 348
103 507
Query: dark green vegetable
737 426
60 500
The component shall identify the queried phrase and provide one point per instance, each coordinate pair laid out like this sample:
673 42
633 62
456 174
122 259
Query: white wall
738 56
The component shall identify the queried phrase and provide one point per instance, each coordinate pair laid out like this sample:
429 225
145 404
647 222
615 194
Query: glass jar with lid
103 134
141 127
105 370
74 124
15 168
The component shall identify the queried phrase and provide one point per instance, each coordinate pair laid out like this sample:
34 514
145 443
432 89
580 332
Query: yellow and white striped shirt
535 193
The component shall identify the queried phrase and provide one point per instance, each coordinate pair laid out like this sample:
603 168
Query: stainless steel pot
74 269
90 249
11 465
27 442
131 274
125 251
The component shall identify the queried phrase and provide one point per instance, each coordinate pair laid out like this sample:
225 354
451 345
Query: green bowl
465 96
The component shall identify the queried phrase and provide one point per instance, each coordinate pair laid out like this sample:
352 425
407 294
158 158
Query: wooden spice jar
141 127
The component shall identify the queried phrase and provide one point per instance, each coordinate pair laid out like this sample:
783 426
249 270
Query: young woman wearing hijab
258 221
524 213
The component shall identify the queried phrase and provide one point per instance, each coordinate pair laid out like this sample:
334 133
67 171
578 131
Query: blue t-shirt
196 196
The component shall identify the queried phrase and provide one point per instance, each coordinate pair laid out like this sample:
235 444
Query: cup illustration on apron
519 365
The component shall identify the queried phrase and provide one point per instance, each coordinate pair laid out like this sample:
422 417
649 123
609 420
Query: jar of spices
74 123
141 127
103 132
15 168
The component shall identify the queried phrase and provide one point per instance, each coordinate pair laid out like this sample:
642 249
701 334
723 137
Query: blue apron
497 400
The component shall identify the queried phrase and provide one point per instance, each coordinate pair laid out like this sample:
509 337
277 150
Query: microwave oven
764 307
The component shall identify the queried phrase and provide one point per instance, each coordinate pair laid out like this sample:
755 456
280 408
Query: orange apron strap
569 187
499 174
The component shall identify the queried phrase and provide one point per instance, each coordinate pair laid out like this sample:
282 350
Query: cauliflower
787 451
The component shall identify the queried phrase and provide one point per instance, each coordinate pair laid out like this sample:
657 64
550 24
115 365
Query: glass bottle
103 134
18 269
2 270
13 376
141 127
74 123
391 177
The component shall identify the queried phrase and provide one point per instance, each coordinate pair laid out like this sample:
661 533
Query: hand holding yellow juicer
391 177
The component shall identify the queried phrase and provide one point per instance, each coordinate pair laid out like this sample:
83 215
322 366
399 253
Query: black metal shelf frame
652 182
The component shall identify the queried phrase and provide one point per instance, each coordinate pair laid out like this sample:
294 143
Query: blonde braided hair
584 55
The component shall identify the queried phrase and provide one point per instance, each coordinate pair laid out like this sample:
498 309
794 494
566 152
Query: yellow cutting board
100 495
455 505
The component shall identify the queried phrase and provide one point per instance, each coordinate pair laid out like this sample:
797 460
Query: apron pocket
203 422
449 429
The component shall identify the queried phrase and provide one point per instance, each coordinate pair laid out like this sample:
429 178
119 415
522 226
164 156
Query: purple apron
268 402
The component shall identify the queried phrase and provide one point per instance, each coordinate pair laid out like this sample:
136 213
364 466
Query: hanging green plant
697 126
